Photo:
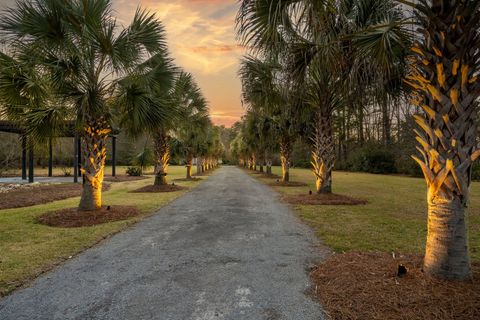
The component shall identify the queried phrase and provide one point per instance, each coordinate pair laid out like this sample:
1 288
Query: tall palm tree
314 40
80 48
264 91
444 80
194 118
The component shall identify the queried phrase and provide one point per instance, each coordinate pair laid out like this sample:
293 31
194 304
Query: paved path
226 250
18 180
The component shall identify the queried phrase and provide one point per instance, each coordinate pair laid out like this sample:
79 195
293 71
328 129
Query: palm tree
194 118
314 39
444 80
78 46
265 92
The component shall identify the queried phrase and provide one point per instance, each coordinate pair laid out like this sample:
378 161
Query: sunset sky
201 37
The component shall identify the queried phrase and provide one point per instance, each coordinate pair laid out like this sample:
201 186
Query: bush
302 163
476 171
371 159
134 171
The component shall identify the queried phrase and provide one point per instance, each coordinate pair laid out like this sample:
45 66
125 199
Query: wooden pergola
27 149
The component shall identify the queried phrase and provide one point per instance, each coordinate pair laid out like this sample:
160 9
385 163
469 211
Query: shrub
134 171
476 171
372 159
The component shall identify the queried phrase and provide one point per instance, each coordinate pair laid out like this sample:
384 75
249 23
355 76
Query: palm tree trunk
199 165
323 154
447 243
268 163
444 80
285 158
94 154
189 165
162 157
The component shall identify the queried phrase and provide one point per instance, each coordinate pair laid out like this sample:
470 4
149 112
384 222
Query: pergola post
75 159
79 148
50 158
30 162
24 157
114 157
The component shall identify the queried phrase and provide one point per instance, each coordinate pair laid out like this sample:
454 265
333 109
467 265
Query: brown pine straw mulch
30 195
279 183
272 176
322 199
359 285
72 218
123 178
163 188
186 180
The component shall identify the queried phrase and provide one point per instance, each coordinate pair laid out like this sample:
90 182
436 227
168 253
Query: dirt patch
123 178
30 195
186 180
322 199
366 286
279 183
72 218
155 189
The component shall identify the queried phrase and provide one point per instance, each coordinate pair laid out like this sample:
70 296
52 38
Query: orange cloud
218 48
201 37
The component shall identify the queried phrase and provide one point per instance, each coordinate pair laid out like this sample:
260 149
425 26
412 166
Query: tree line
71 61
328 71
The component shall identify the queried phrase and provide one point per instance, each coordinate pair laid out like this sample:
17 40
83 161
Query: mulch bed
123 178
272 176
30 195
204 174
155 189
72 218
186 180
279 183
366 286
322 199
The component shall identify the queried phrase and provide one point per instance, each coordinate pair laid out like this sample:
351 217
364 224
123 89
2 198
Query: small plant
67 171
143 160
134 171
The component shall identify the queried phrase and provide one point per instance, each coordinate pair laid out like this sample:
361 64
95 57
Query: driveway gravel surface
226 250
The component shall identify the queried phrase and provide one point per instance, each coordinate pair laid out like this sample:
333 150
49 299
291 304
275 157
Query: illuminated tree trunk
261 160
323 154
268 163
285 158
444 79
189 165
94 153
199 165
162 157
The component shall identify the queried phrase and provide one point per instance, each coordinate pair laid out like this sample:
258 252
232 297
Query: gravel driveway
226 250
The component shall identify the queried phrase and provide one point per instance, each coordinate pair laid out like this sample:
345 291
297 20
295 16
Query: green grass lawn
393 220
28 248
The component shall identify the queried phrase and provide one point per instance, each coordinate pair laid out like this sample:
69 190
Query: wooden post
24 157
75 159
30 162
50 158
114 157
79 146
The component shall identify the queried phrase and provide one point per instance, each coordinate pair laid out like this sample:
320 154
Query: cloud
201 36
218 48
